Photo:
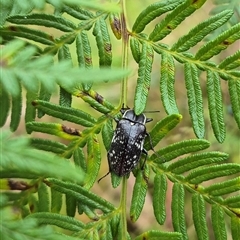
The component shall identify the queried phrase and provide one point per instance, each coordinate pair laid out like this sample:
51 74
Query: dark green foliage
46 182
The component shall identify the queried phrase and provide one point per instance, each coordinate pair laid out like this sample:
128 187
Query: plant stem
123 208
125 38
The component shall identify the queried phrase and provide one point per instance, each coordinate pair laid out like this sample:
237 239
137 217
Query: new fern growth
49 182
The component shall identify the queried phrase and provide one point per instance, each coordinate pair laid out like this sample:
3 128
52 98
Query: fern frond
231 62
154 234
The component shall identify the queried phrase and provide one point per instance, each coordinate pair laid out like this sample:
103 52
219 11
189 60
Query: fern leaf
115 180
30 111
84 54
5 105
28 33
215 105
43 198
196 160
177 206
206 173
48 145
139 194
42 19
154 234
159 197
219 229
231 62
58 220
144 78
225 187
235 227
56 201
199 216
177 149
81 194
71 205
161 129
93 161
20 159
107 134
135 49
218 44
195 101
15 111
115 23
233 201
201 30
66 113
77 12
234 92
174 18
65 98
100 31
167 84
79 159
151 12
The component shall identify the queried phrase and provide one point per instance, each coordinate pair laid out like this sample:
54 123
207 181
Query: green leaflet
93 161
84 55
167 81
100 31
66 113
59 220
233 201
56 201
157 235
107 133
144 78
235 227
116 180
218 44
161 129
115 23
200 31
210 172
81 194
43 198
135 49
225 187
48 145
196 160
77 12
4 105
28 33
30 112
45 20
151 12
215 105
231 62
139 194
65 98
234 92
45 96
173 19
195 101
199 216
79 159
177 149
71 205
178 216
159 197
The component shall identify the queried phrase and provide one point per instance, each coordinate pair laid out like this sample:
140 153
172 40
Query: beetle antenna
154 111
102 177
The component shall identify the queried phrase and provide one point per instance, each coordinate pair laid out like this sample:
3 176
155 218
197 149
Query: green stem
123 208
125 38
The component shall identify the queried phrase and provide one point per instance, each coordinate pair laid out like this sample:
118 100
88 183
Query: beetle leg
151 144
148 120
